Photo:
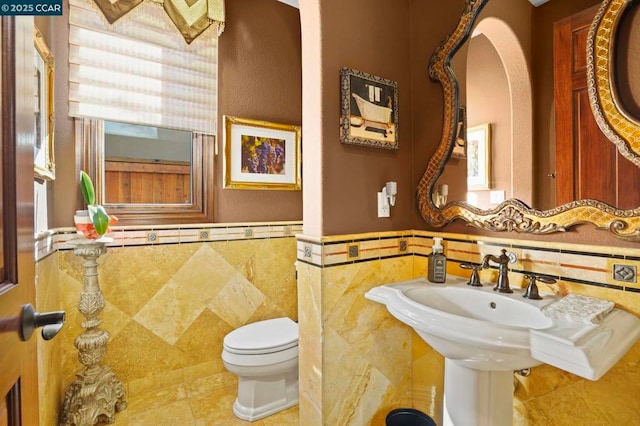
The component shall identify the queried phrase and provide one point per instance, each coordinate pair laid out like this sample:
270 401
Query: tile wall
172 294
369 362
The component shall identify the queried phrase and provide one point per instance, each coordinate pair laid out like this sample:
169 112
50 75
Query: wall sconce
387 198
439 197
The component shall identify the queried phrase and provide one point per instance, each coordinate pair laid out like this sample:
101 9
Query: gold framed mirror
44 162
621 127
514 214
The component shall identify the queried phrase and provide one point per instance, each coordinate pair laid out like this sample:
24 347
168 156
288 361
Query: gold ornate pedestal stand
96 394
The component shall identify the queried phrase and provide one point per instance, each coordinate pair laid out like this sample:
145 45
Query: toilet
264 356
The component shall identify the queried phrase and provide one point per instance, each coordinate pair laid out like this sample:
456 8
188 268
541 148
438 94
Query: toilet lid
279 333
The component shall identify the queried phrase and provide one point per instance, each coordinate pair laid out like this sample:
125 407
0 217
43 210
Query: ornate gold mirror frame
512 215
619 127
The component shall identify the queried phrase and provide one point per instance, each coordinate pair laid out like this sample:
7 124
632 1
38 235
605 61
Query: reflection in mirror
496 88
627 66
527 142
44 164
146 164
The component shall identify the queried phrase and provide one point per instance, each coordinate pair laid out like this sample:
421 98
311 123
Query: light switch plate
383 208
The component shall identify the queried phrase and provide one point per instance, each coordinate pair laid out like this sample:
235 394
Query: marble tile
333 254
171 311
237 301
389 247
420 266
202 342
204 385
543 379
540 261
347 340
130 276
582 267
215 407
340 288
196 371
428 384
155 399
49 353
205 270
627 263
422 246
268 265
168 236
171 414
395 269
610 401
368 249
350 383
143 387
289 417
310 344
136 353
462 251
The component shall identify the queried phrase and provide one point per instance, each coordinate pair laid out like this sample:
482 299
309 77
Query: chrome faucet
503 271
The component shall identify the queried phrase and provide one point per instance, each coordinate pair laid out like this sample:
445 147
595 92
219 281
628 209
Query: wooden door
588 165
18 368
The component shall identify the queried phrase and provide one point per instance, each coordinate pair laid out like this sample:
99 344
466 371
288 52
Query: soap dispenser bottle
437 263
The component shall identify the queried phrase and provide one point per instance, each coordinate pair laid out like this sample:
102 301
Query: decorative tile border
582 264
58 239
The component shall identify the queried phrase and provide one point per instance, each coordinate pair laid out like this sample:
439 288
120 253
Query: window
137 84
143 184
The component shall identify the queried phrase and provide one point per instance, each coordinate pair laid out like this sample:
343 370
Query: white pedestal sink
485 336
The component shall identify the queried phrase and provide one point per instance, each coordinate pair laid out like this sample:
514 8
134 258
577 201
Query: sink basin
475 326
485 336
485 305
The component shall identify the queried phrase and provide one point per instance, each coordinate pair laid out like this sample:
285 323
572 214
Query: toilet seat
264 357
263 337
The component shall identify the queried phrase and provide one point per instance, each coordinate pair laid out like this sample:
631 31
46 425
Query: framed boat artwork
369 110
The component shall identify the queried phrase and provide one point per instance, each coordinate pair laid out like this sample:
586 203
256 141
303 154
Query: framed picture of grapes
261 155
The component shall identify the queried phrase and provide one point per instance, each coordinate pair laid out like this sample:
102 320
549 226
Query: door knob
51 322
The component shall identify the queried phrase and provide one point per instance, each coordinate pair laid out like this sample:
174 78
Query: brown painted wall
392 39
260 77
375 39
431 22
260 72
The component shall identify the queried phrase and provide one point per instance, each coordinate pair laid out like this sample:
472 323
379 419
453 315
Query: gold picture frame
261 155
460 146
43 160
478 146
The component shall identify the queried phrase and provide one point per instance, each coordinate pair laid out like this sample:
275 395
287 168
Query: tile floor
206 401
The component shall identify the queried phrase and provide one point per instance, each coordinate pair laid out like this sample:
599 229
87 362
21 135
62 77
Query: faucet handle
532 289
474 280
513 258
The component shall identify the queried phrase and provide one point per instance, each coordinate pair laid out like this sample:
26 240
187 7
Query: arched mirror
532 140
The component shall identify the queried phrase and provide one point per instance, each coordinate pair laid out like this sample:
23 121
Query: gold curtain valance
191 17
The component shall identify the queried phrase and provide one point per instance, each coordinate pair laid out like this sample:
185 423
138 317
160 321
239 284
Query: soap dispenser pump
437 263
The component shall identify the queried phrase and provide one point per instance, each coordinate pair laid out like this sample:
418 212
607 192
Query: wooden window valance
191 17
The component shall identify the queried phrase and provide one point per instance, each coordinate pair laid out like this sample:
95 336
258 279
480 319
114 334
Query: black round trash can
408 417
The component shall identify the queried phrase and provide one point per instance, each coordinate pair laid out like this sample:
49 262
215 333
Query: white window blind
140 70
